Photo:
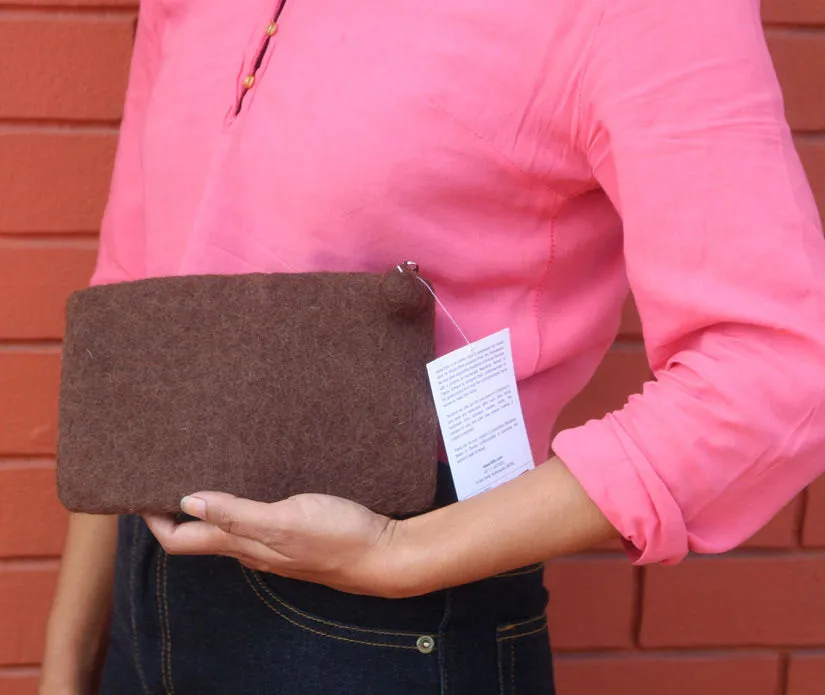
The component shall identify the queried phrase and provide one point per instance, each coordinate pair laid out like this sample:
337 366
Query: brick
35 280
812 153
19 681
793 11
794 54
25 599
32 521
735 601
660 674
813 528
782 531
591 603
621 373
54 181
29 382
806 674
82 75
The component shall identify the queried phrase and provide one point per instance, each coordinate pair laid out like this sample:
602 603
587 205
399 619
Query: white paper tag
479 411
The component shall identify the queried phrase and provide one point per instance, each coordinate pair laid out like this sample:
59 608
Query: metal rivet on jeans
425 644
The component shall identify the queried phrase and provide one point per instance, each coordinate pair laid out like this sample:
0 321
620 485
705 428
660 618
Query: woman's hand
316 538
542 514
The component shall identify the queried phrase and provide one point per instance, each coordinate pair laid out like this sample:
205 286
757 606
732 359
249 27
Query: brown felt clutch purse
264 386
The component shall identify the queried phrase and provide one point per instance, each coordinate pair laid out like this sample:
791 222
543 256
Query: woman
531 157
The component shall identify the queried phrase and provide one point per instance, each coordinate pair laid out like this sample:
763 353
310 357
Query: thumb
235 515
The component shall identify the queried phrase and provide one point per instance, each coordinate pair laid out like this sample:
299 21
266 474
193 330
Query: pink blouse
531 157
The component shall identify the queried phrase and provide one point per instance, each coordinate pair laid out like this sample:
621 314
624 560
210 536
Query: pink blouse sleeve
682 119
121 250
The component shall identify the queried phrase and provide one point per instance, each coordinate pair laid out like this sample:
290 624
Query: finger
162 524
203 538
233 515
191 538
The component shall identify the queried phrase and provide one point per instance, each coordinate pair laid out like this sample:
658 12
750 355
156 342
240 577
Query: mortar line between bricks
799 521
18 463
809 136
49 346
45 126
733 555
47 241
816 652
779 647
815 29
638 605
784 674
688 654
101 11
71 235
763 554
19 670
689 650
29 564
22 455
61 121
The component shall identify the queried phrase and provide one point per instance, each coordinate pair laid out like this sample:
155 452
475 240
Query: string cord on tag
440 304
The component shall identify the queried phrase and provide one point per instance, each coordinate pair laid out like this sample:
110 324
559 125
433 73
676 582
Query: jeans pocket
227 629
525 663
421 642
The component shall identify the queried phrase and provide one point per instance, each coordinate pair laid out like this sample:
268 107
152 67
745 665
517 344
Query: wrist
411 561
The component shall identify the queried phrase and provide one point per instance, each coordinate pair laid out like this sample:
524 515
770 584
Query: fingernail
193 506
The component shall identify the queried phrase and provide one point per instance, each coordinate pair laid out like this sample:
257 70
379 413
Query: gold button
425 644
271 28
248 81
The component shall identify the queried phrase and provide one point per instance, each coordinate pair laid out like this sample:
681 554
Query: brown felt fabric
260 385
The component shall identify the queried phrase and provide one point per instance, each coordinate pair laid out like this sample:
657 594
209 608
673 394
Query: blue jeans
203 625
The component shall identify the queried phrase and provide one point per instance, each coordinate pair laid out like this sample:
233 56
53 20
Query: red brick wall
749 623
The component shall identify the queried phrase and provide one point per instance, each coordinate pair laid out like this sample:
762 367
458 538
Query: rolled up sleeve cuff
626 488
